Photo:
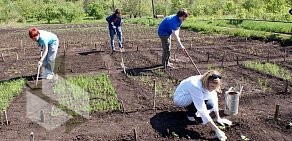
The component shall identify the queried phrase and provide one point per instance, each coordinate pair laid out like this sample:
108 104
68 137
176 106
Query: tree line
66 11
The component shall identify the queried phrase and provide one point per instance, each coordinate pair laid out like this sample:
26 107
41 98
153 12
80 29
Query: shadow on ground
139 71
174 125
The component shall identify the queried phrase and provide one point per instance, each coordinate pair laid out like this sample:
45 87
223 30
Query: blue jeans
49 61
112 33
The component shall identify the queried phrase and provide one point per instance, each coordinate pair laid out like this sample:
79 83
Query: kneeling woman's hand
220 135
224 121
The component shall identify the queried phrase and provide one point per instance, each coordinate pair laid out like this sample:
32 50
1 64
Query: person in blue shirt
49 43
114 26
170 25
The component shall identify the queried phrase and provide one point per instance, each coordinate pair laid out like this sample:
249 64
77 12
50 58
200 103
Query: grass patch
269 68
8 90
87 93
264 30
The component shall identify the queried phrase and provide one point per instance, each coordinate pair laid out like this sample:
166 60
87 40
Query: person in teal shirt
49 43
170 25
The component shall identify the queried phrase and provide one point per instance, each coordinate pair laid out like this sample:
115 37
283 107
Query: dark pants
166 46
191 109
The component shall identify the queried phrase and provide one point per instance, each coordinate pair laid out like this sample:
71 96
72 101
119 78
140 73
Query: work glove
40 63
113 25
223 121
220 135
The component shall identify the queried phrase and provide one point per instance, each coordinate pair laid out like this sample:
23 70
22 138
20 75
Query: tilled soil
90 54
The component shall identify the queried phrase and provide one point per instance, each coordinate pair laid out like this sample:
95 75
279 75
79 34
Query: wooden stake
122 106
137 48
285 52
64 46
191 43
42 117
6 118
17 56
2 56
123 66
31 136
208 57
108 70
154 95
223 57
1 118
135 134
237 60
286 86
276 112
20 43
268 59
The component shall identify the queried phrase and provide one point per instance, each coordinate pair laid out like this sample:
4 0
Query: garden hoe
35 85
192 61
38 71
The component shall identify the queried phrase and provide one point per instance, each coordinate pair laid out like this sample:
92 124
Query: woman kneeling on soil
198 95
49 43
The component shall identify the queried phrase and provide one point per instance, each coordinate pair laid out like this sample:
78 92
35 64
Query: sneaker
191 118
170 64
122 49
50 76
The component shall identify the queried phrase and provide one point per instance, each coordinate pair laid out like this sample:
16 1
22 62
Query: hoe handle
192 61
38 71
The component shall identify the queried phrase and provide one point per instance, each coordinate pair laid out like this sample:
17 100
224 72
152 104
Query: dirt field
84 49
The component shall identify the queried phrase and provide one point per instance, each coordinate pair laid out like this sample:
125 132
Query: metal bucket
232 101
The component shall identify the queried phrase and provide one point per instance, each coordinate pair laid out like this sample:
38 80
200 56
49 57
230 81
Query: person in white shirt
198 94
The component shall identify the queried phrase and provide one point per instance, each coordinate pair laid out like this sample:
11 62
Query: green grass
268 26
97 90
264 30
270 68
8 90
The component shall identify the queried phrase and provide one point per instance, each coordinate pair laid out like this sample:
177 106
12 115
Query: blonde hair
211 76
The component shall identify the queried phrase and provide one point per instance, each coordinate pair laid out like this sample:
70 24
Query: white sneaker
122 49
191 118
50 76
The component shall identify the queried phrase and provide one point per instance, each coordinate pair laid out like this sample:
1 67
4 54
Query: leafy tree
50 12
69 12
